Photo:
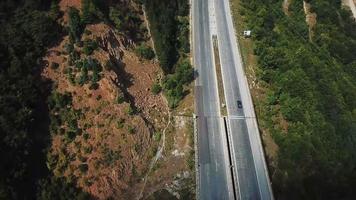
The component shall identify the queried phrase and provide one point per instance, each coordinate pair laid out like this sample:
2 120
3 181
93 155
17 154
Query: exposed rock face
110 43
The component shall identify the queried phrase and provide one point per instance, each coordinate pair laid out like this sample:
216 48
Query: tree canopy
312 86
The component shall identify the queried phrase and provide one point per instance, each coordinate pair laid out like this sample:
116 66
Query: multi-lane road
215 180
231 162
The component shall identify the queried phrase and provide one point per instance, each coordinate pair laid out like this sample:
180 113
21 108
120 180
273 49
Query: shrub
69 48
120 99
157 136
115 16
156 88
69 136
83 167
130 110
89 47
120 123
94 86
86 136
131 129
54 65
144 51
75 25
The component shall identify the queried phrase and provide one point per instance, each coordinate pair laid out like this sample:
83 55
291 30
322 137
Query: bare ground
120 177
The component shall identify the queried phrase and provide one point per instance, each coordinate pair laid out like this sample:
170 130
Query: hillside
102 127
301 66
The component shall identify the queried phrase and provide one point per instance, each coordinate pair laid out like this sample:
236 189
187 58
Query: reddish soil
117 160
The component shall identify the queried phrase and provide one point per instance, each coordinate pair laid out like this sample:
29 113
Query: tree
87 12
144 51
89 47
156 88
75 25
116 16
59 189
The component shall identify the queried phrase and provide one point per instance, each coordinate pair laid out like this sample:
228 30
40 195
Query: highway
248 156
215 181
248 176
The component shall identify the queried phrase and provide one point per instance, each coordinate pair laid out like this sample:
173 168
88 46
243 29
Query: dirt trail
157 156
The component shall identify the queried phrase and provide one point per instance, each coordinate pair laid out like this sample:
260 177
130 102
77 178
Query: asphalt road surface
247 153
214 171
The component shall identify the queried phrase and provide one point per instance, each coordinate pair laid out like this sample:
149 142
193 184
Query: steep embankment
107 117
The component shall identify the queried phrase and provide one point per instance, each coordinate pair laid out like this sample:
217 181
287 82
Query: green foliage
144 51
86 136
69 48
183 37
131 129
110 156
130 110
86 65
54 12
93 86
75 25
157 136
126 19
170 31
312 87
83 167
53 188
156 88
54 65
162 16
58 101
23 39
173 84
115 15
88 12
120 123
89 47
120 99
88 149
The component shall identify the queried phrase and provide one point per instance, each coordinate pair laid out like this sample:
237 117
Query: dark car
239 104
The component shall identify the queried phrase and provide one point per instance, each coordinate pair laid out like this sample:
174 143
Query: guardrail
231 154
196 156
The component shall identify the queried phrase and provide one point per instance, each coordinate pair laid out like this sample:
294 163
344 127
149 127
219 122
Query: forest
310 108
29 28
169 25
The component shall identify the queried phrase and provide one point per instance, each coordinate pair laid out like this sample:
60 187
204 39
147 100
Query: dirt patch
110 155
118 176
285 7
175 154
64 5
310 18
